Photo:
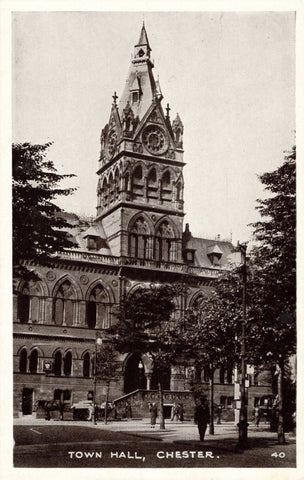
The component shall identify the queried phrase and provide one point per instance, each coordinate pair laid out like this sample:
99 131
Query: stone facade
136 239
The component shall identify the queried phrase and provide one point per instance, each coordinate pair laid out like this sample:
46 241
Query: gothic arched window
222 374
137 181
57 363
64 304
105 193
86 364
97 308
24 306
127 182
116 184
139 239
229 374
67 364
23 361
166 186
179 191
33 361
197 304
206 374
111 188
152 186
28 302
164 243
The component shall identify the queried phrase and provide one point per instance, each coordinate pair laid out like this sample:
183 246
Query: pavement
40 443
174 431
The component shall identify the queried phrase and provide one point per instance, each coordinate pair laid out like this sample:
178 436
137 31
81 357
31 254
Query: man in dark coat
153 414
202 418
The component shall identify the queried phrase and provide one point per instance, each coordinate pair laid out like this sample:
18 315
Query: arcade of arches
137 376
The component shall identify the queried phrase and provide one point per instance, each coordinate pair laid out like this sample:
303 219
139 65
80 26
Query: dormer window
93 239
214 254
135 97
91 243
188 255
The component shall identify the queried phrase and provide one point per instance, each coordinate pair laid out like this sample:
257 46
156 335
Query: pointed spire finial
143 37
115 97
168 111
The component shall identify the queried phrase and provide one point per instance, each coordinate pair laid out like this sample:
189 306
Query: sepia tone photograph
154 239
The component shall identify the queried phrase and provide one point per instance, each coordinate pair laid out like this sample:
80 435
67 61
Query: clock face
112 142
155 139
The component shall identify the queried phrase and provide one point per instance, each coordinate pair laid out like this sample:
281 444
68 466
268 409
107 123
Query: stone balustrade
101 259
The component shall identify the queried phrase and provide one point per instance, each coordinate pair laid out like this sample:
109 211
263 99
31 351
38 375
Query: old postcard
154 240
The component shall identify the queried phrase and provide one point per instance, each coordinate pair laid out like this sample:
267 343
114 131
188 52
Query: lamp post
141 374
98 341
243 430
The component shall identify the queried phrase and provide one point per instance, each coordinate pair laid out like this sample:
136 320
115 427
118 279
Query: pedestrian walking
128 410
219 414
153 414
257 416
202 418
180 412
174 412
47 411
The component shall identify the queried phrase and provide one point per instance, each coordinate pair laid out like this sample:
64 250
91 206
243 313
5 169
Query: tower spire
142 48
143 37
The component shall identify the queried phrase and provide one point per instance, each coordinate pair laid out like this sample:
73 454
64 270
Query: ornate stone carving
155 117
137 148
155 139
84 280
171 154
50 276
112 143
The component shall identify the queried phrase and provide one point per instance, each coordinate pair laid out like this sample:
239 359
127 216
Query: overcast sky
230 76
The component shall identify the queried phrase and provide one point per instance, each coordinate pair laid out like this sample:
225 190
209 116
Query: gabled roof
214 249
143 77
91 232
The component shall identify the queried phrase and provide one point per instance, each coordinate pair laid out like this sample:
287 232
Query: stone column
148 377
48 316
82 313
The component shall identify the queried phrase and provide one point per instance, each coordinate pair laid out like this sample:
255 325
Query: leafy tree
144 327
208 338
106 368
274 257
38 223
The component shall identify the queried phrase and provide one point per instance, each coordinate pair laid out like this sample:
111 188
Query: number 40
280 455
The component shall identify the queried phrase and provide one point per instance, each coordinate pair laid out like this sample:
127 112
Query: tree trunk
281 435
211 383
161 407
106 407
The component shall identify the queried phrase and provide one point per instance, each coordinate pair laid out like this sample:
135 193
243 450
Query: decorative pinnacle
115 97
168 111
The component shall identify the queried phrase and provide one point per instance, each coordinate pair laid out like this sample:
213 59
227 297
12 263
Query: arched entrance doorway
134 377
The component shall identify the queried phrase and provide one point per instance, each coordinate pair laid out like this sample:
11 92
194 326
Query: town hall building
136 238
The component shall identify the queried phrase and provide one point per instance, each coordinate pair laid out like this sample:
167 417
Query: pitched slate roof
204 246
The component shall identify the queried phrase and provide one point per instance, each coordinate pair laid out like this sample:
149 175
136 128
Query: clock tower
140 185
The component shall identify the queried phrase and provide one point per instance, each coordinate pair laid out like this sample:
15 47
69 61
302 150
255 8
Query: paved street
134 444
